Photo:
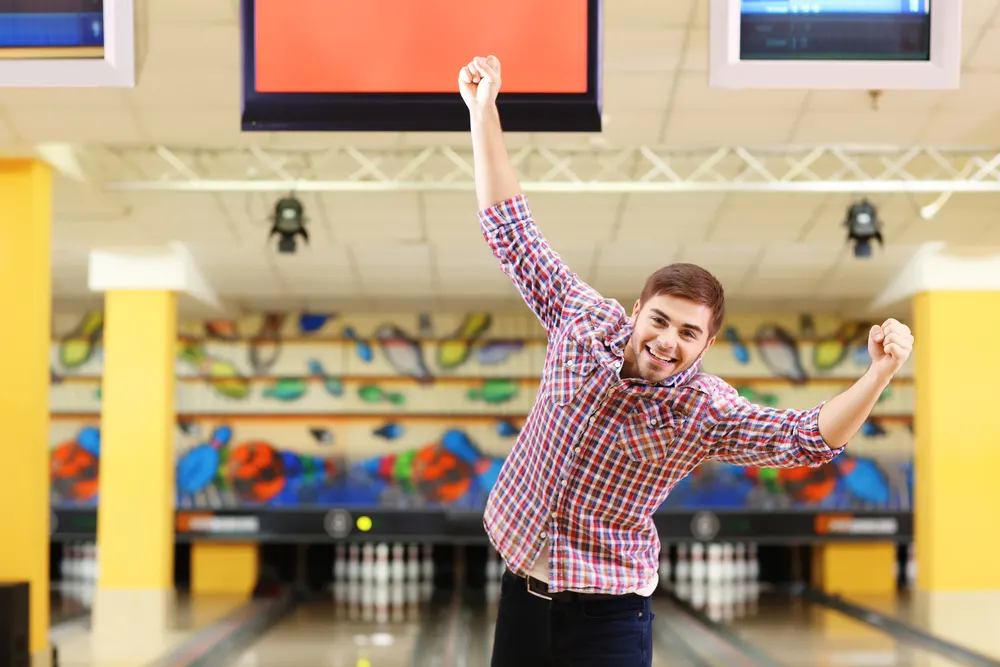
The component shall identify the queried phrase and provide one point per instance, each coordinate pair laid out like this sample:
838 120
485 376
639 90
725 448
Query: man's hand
479 82
889 346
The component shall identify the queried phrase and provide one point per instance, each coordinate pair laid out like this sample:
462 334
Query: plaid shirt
598 454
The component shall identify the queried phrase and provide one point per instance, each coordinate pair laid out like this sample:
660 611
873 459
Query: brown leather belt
541 590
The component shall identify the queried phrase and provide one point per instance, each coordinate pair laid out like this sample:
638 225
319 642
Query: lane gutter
724 634
225 639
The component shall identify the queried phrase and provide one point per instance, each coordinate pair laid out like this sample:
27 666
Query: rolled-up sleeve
745 434
537 271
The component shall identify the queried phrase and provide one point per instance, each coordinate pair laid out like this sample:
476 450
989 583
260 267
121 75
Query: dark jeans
532 632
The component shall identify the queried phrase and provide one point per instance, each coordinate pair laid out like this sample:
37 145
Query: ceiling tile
631 13
643 48
879 127
83 125
693 93
715 128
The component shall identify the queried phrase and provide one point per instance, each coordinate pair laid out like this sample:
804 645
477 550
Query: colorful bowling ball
74 473
257 472
809 486
441 476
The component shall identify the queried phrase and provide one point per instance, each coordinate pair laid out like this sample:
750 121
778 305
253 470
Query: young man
622 415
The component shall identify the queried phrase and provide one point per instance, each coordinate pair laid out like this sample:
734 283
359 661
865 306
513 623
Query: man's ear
636 307
711 342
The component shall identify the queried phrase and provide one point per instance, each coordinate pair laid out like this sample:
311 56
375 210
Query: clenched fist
889 346
479 82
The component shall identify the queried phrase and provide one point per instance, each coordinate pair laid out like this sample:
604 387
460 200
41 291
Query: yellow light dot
363 662
364 523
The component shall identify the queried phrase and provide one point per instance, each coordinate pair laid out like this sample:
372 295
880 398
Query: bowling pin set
721 579
78 572
376 582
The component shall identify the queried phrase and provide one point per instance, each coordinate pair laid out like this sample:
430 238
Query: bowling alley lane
186 617
969 620
795 631
326 632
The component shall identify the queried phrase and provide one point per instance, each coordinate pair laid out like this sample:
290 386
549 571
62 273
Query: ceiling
411 249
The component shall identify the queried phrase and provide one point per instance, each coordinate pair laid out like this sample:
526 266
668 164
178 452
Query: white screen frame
942 71
115 70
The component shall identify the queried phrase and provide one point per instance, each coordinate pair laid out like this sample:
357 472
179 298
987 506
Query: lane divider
222 640
723 633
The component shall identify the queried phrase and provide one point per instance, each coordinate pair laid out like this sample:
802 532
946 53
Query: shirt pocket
653 432
571 368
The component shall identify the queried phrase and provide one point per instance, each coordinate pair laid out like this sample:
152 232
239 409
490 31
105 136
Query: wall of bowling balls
418 410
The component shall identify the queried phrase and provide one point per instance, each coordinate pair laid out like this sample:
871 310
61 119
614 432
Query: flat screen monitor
39 29
67 43
848 44
392 65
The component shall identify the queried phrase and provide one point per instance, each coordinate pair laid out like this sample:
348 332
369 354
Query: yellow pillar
957 439
135 526
224 567
853 568
25 335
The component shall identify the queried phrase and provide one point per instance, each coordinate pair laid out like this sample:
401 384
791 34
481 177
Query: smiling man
623 414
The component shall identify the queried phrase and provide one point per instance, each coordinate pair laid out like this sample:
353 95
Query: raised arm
545 283
745 434
750 435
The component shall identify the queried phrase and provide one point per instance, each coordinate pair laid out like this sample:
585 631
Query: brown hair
691 282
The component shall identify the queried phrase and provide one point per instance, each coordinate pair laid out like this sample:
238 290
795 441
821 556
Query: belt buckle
527 585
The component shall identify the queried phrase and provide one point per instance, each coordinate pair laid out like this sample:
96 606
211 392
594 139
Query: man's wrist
879 377
487 114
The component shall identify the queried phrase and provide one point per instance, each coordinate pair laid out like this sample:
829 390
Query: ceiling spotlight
289 221
863 225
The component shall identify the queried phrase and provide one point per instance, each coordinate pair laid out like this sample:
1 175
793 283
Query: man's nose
667 340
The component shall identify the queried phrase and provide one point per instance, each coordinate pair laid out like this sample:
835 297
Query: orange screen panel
408 46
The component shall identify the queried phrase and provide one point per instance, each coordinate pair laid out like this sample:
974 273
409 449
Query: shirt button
593 418
652 422
576 450
563 482
569 362
543 535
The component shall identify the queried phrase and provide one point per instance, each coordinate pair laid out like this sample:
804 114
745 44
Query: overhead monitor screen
392 65
883 30
51 29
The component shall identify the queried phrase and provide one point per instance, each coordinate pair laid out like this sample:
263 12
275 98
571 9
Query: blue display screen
835 30
42 24
836 7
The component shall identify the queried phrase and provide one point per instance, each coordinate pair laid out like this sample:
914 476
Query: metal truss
853 170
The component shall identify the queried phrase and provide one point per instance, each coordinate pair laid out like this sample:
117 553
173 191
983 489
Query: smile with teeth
666 360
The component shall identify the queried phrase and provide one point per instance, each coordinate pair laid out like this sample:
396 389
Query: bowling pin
698 570
398 563
714 566
683 564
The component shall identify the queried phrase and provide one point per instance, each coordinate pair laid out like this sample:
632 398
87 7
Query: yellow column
855 568
135 526
25 335
957 439
224 567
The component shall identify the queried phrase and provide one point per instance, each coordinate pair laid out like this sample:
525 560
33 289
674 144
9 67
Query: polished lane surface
80 647
796 632
971 620
458 630
444 631
338 633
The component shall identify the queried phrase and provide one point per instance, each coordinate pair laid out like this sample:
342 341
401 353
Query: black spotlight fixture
289 221
863 225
